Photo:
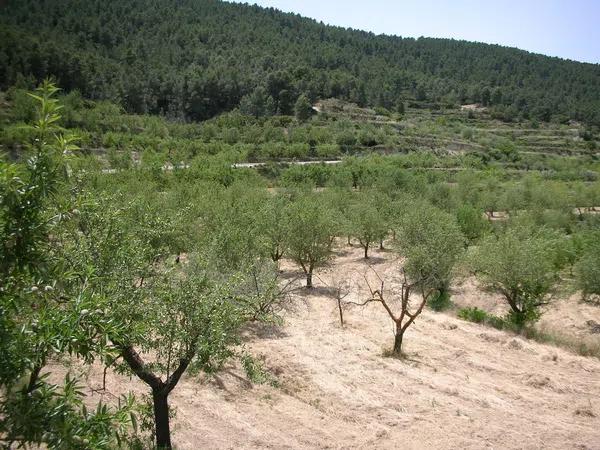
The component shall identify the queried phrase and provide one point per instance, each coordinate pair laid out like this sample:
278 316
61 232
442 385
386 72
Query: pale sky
565 28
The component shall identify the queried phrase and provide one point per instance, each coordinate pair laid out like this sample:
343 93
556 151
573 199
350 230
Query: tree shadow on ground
318 291
342 252
220 383
291 274
372 260
260 330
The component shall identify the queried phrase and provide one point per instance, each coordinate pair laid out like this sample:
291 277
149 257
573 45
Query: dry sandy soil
462 385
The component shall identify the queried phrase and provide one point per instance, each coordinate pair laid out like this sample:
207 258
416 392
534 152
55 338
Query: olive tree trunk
161 419
309 274
398 340
160 388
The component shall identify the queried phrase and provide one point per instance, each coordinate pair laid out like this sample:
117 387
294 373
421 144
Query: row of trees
522 258
417 142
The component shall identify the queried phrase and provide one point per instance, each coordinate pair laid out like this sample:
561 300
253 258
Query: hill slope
193 59
462 386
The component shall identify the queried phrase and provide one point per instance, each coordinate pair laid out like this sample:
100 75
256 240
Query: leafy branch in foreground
47 310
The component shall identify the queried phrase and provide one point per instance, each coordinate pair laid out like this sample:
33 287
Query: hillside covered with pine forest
194 59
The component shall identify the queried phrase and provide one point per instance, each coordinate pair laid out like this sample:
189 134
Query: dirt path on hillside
463 386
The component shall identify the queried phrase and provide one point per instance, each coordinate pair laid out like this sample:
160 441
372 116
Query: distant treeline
193 59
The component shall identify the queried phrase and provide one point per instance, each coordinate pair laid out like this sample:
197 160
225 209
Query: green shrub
328 150
255 371
587 270
472 222
477 315
380 110
440 302
346 140
473 314
494 321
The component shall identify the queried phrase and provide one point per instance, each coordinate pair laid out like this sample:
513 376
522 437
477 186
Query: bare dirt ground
462 385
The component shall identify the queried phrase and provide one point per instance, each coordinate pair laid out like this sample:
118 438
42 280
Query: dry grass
459 385
586 346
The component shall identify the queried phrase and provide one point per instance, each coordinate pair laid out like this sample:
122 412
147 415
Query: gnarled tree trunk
160 389
161 419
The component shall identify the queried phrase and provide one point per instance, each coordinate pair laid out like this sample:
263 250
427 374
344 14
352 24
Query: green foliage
310 235
587 268
303 108
257 104
497 322
400 107
473 314
47 308
440 301
367 222
256 372
522 264
229 234
477 315
472 222
24 106
432 242
188 68
273 223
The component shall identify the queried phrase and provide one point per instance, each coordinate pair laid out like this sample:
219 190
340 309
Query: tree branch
139 367
371 300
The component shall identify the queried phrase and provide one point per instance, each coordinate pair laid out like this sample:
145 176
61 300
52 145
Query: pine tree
303 108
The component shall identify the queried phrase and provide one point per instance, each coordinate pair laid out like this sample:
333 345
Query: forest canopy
194 59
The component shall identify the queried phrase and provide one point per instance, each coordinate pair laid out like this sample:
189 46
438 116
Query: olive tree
367 224
431 243
472 222
521 264
587 268
187 323
309 234
172 317
272 226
